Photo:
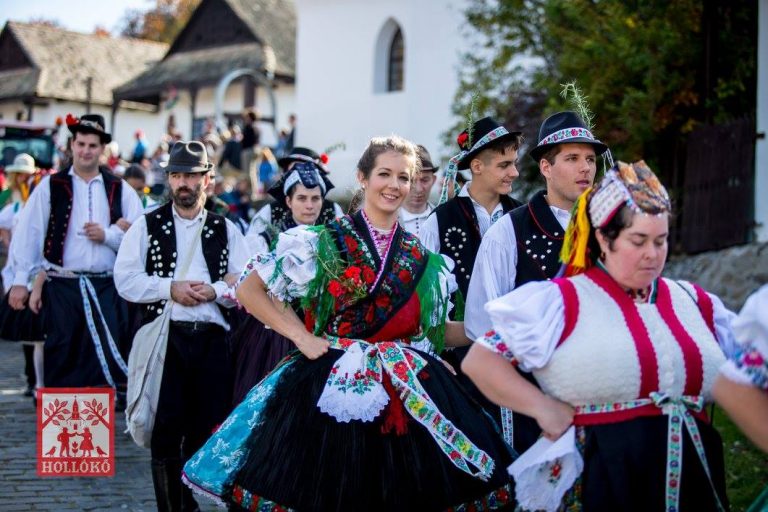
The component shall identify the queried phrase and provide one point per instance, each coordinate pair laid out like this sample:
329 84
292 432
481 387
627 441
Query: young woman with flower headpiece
359 418
625 356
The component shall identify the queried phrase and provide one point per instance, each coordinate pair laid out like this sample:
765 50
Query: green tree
652 69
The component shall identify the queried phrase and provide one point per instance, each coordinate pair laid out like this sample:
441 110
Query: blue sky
78 15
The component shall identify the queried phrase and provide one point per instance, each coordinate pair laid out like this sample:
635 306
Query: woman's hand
554 417
312 346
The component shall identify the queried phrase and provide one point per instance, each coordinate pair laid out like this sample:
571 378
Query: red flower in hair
462 139
71 120
324 158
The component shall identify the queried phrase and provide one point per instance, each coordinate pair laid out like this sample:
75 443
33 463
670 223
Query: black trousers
70 358
195 391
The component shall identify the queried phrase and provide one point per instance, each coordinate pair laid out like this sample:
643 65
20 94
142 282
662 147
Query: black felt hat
564 128
187 157
481 128
89 123
425 159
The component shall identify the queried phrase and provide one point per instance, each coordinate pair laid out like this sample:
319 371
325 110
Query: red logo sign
76 432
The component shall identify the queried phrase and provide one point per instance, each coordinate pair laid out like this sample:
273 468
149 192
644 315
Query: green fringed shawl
330 265
434 303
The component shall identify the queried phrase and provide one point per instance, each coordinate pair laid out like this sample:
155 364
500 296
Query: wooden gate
717 205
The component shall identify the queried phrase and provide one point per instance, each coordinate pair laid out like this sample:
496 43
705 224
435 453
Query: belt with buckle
194 326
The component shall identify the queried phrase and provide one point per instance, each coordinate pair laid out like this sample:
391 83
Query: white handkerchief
545 472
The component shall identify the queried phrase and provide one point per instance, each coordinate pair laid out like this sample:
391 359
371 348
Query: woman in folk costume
359 419
23 325
258 349
626 356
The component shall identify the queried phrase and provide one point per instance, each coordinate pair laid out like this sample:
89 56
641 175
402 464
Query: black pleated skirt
297 457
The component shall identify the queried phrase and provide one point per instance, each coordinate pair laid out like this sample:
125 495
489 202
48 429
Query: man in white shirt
456 227
525 245
71 227
181 236
416 207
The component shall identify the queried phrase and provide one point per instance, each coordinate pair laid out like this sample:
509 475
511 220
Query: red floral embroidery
416 253
352 273
368 275
382 301
335 288
350 242
404 276
344 328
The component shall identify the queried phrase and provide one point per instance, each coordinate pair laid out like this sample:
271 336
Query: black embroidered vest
281 215
539 240
163 256
460 234
62 194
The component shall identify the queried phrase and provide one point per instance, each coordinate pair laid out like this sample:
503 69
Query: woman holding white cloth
626 356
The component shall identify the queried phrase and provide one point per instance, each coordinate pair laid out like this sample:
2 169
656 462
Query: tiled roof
63 60
198 67
273 22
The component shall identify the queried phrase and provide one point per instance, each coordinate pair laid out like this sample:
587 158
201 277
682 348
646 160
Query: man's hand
36 301
206 291
123 224
231 279
17 297
94 232
186 294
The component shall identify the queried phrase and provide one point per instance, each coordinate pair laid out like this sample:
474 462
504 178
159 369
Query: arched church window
389 59
396 59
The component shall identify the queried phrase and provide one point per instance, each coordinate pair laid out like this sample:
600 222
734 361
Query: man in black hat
69 227
416 207
456 227
182 237
525 245
276 214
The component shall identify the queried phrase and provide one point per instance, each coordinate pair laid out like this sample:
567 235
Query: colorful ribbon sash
354 391
679 411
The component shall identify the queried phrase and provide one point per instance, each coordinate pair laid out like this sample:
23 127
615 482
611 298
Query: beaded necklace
382 239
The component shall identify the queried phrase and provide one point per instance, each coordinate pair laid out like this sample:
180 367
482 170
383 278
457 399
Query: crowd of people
477 354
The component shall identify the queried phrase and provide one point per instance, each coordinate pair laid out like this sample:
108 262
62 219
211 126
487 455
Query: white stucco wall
761 147
335 76
8 110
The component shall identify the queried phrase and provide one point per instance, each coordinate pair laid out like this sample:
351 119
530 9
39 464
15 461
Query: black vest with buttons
163 256
62 194
539 240
460 234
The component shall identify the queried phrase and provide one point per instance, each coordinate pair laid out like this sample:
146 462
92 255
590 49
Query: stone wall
731 274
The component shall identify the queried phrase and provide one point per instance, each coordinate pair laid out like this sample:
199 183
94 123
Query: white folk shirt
495 271
414 222
89 204
135 285
430 236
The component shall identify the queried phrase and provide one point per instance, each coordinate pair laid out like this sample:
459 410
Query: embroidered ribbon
566 134
508 426
453 163
86 290
679 411
354 391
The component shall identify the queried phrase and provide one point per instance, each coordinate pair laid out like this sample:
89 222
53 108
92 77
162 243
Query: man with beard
71 227
197 376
